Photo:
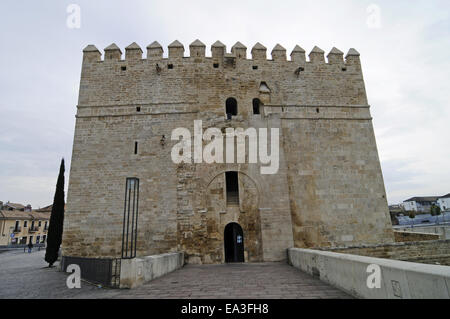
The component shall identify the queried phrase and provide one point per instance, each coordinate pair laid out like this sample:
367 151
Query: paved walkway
238 281
26 276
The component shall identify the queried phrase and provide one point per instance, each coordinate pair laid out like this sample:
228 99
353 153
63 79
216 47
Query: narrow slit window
256 106
135 147
232 185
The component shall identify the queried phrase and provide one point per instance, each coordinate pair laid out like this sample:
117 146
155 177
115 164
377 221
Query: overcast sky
404 48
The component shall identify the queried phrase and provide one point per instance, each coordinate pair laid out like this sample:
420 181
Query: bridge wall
398 279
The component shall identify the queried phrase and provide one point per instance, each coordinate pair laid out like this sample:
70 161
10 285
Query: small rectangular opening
170 66
232 185
123 68
138 109
300 69
135 147
216 65
255 67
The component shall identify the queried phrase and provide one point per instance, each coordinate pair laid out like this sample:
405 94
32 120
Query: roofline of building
30 216
422 199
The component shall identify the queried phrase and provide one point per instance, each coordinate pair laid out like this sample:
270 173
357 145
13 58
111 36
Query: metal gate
102 271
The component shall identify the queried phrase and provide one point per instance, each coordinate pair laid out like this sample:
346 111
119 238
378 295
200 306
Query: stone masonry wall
402 236
329 188
427 252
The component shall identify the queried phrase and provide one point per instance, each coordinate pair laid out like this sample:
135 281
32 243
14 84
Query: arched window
231 107
256 106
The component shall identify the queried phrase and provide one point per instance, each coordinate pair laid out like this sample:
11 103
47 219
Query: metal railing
22 245
103 271
33 229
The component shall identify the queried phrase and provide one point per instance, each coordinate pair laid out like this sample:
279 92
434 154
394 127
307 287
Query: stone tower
128 198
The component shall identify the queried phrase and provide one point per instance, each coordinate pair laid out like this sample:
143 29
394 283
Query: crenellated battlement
171 74
197 50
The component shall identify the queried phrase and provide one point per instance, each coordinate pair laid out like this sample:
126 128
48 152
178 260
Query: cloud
405 64
38 190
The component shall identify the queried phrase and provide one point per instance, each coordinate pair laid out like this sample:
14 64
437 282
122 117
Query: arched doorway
234 243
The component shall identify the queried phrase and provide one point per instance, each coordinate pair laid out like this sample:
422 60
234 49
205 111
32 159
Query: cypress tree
55 228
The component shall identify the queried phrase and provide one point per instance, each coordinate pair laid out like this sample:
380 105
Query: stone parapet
398 279
428 252
136 271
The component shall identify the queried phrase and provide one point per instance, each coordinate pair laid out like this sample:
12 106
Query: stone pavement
237 281
26 276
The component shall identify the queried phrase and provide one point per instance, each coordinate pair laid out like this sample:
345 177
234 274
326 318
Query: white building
420 204
444 202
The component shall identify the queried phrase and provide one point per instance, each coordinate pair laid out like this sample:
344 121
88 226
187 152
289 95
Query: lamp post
412 215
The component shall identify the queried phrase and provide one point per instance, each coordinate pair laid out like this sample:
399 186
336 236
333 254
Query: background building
444 202
20 227
420 204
